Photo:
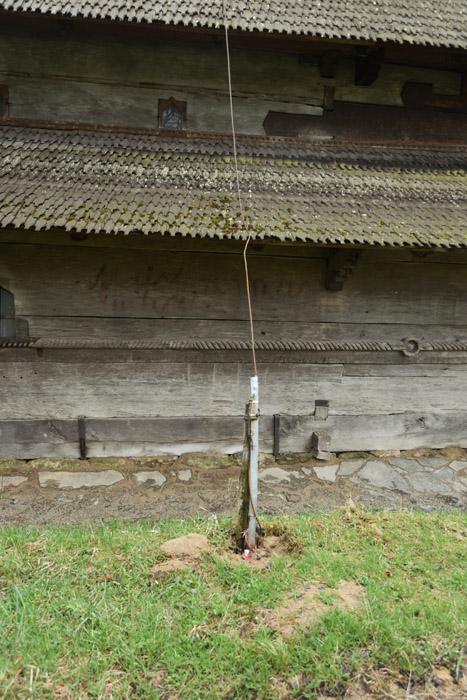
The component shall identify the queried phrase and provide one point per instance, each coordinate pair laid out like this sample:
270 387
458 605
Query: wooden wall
96 78
108 313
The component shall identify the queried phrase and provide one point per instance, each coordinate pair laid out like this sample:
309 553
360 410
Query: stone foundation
71 490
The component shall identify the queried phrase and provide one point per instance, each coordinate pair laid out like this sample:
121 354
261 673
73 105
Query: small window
7 314
172 115
3 102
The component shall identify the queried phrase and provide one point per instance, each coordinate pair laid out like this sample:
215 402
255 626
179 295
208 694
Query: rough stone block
348 468
385 454
10 465
152 476
293 457
184 474
428 483
321 445
276 475
327 473
433 462
444 473
109 462
408 465
8 481
202 461
79 480
264 458
382 475
452 452
353 455
459 465
60 464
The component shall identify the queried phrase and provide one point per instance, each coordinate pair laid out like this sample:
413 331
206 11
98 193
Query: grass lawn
81 617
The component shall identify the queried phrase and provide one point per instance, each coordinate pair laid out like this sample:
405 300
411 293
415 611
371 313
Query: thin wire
239 196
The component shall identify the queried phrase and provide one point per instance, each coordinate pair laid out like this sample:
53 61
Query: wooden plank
66 390
445 256
89 102
47 390
52 432
160 64
436 361
30 439
229 329
408 370
298 249
157 242
126 283
404 431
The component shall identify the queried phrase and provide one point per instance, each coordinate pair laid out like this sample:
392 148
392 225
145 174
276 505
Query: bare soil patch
261 557
307 607
183 552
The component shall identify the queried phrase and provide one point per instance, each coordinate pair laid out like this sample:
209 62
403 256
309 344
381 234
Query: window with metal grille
172 115
7 314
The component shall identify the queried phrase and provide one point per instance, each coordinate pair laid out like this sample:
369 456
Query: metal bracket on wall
82 436
276 436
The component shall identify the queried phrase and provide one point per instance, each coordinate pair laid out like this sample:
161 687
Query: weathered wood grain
437 362
133 106
66 390
128 283
167 65
85 79
29 439
298 249
182 328
409 370
155 242
403 431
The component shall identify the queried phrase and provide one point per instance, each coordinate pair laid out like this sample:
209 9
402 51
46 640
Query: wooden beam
127 437
340 265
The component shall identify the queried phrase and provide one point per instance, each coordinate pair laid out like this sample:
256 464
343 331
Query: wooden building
121 275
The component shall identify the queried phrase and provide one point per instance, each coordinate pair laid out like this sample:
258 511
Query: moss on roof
99 182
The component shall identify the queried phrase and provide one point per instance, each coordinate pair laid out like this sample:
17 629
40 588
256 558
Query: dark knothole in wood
7 314
172 115
3 102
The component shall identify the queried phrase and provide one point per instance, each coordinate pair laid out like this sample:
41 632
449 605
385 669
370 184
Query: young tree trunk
244 489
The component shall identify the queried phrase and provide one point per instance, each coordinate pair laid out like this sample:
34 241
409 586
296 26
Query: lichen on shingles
91 182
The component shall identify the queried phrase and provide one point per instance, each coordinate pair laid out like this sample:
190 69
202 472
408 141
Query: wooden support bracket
341 264
321 445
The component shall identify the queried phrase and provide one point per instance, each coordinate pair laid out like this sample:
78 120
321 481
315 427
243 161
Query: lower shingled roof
84 181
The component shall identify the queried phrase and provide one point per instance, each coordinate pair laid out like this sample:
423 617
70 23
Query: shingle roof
422 22
92 182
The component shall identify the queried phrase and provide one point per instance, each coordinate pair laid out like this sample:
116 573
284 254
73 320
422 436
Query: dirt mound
184 553
304 609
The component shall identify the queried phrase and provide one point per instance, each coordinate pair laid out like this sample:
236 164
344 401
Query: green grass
80 616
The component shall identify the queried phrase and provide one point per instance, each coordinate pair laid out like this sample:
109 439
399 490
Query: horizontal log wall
139 437
147 338
90 77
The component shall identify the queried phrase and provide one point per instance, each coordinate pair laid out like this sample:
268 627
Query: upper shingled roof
328 194
423 22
